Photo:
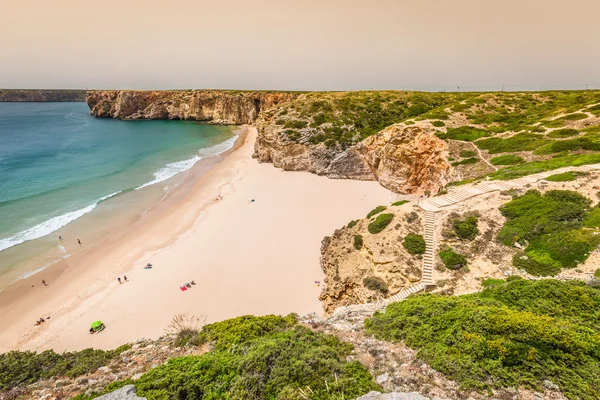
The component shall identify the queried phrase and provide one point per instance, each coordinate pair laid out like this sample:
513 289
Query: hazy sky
300 44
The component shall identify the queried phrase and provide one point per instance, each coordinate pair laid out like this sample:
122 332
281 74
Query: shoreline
190 236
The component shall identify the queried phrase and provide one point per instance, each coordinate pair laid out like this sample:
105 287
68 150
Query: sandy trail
246 258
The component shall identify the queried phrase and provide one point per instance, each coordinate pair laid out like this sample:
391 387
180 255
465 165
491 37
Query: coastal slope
33 95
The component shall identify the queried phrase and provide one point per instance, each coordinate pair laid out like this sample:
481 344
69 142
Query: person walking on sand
125 277
119 279
44 282
60 237
78 241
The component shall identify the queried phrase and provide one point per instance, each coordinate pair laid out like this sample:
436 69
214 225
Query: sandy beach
245 257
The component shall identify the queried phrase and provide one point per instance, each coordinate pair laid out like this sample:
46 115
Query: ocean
59 164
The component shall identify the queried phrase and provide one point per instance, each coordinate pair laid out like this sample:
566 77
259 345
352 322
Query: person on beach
125 277
44 282
78 241
60 237
119 279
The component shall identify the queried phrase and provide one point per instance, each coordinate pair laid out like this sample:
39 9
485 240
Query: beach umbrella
96 325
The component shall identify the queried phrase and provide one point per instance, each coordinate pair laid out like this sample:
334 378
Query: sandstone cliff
25 95
212 106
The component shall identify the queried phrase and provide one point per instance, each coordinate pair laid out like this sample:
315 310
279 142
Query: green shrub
376 284
380 223
518 142
358 242
588 142
281 363
592 219
468 153
295 124
25 367
399 203
466 133
466 161
438 123
376 210
466 228
452 259
565 176
535 167
352 224
573 117
597 273
414 244
509 159
562 133
552 224
492 281
515 334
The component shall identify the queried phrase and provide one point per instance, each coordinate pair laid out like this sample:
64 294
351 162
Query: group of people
124 279
61 238
41 321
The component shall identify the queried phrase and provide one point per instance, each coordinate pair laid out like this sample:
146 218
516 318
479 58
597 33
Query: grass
380 223
19 368
358 242
352 224
512 334
466 228
574 117
587 142
534 167
261 358
452 259
518 142
565 177
375 284
414 244
467 153
597 273
399 203
438 123
508 159
376 211
551 228
465 133
562 133
466 161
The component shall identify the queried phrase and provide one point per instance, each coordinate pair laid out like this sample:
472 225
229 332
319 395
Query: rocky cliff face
404 159
18 95
212 106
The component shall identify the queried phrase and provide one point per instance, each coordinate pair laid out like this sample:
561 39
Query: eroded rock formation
212 106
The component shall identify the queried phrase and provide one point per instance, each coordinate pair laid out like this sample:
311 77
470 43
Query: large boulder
125 393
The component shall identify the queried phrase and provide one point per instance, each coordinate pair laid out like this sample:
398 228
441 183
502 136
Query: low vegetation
562 133
358 242
509 159
466 228
376 284
414 244
25 367
512 334
452 259
518 142
466 161
467 153
534 167
550 227
352 223
261 358
565 176
380 223
399 203
376 211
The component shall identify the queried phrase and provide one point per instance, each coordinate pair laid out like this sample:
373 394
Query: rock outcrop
25 95
211 106
380 257
127 392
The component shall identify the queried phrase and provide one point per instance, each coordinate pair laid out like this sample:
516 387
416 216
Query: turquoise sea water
57 163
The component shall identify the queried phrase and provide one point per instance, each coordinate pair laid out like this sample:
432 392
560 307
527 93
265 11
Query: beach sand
246 257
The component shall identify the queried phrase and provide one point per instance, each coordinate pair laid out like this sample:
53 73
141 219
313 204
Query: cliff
212 106
24 95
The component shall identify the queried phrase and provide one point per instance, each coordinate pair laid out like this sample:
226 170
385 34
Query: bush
25 367
352 224
438 123
565 177
468 153
597 273
452 259
380 223
518 142
573 117
551 223
399 203
412 217
375 211
562 133
186 328
466 161
509 159
466 228
466 133
414 244
358 242
376 284
535 167
519 333
295 124
284 361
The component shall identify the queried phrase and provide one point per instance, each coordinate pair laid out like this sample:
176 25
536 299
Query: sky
300 44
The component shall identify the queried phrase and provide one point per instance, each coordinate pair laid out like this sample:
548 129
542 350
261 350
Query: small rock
135 347
548 384
136 376
382 378
141 340
104 369
125 393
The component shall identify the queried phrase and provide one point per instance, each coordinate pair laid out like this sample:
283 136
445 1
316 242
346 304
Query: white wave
172 169
49 226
